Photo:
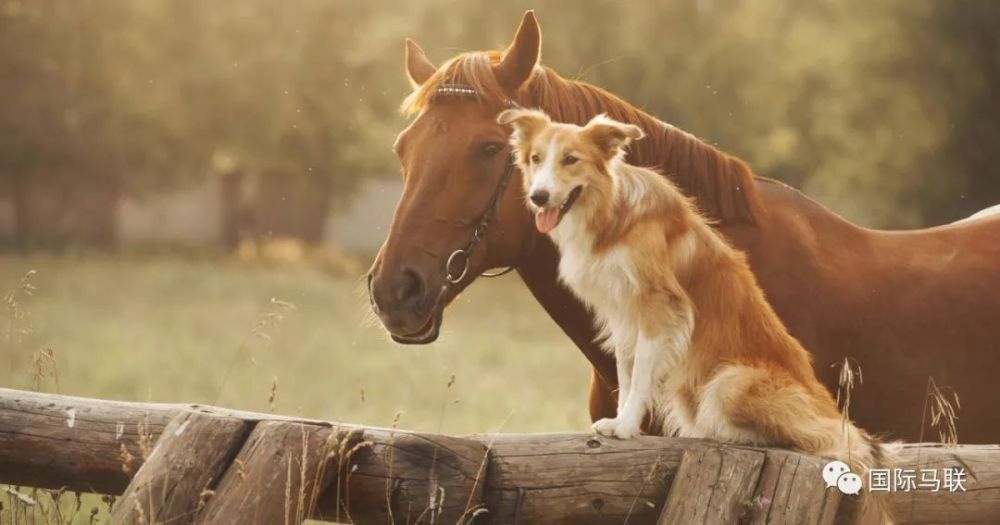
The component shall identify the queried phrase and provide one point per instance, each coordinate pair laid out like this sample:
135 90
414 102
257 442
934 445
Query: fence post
714 484
276 477
188 458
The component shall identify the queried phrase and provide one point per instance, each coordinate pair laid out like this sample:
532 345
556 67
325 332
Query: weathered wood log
82 444
53 441
276 477
790 490
402 477
190 456
579 478
714 484
978 503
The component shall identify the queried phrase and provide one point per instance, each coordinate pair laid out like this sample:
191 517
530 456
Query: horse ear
522 56
418 68
610 135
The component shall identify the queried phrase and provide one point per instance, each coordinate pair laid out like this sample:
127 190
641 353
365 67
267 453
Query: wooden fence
195 464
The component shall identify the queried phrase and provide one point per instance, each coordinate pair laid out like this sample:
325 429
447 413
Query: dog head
564 164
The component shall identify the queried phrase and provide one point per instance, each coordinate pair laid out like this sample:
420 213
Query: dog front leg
637 375
624 360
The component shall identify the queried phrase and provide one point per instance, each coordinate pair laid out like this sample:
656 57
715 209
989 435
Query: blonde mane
722 185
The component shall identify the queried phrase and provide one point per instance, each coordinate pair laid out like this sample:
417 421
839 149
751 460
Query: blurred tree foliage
887 111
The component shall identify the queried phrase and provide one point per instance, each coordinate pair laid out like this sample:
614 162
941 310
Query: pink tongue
546 219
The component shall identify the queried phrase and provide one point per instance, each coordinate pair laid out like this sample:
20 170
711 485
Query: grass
288 339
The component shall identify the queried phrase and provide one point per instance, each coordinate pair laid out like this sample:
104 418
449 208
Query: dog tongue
546 219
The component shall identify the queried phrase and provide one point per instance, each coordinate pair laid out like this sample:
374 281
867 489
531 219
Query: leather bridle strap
457 266
463 255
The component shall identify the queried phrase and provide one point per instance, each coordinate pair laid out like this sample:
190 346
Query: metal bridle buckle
465 267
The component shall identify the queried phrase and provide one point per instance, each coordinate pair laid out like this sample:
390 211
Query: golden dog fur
699 350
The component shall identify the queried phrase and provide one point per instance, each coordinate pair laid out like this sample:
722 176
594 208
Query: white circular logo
834 470
849 483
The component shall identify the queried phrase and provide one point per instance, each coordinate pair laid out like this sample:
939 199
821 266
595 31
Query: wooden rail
195 464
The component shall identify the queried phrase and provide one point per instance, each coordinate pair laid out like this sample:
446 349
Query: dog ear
526 123
611 136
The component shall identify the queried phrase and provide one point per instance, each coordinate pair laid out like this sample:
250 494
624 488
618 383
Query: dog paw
614 427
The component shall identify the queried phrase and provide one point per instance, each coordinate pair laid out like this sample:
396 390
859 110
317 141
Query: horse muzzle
408 308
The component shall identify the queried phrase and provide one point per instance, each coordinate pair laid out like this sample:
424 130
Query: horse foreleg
603 395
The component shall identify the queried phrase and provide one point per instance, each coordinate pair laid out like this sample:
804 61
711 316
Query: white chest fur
606 282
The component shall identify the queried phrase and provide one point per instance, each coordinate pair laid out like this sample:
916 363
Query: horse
906 306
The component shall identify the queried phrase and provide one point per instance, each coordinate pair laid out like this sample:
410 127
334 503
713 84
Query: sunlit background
199 185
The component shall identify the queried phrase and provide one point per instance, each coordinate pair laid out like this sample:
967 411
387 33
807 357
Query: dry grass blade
345 461
943 406
41 360
469 508
127 458
17 313
850 372
265 328
645 481
270 319
21 497
273 393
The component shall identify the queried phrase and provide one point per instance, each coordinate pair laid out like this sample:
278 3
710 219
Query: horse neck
721 184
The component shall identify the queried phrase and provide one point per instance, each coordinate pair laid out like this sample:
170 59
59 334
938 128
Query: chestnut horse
906 305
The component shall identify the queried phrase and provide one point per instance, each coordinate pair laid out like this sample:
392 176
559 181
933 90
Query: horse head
457 216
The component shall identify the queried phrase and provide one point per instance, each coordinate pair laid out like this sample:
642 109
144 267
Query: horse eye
569 160
491 149
535 159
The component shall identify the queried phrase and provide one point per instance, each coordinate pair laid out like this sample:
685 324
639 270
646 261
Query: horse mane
722 185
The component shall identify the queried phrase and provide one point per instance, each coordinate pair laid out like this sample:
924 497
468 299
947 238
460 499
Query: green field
205 330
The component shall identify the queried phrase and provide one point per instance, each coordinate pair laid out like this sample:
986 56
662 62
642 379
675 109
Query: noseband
457 266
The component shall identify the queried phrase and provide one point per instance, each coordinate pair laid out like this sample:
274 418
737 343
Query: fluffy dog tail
863 452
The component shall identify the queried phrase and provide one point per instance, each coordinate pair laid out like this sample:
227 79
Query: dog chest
605 281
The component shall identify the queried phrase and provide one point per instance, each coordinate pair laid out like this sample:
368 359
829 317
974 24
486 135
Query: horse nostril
411 287
540 197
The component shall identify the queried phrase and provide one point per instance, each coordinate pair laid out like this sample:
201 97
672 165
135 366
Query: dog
698 348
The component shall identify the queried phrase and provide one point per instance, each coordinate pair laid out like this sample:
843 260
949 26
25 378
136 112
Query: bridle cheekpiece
463 255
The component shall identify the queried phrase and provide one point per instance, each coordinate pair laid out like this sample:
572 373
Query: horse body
905 305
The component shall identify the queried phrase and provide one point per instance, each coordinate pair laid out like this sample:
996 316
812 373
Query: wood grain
190 456
791 490
579 478
403 477
89 445
276 477
52 441
978 503
714 484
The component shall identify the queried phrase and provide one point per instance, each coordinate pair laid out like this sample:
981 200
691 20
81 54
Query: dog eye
535 159
569 160
492 149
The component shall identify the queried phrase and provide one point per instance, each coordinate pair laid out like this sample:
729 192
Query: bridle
464 255
453 273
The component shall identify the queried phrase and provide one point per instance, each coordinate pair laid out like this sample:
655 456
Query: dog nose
539 197
411 287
